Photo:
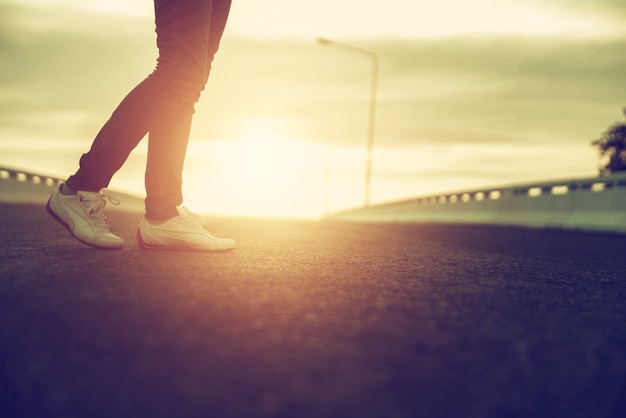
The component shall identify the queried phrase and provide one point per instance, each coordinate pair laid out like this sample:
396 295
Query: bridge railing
23 186
594 203
28 177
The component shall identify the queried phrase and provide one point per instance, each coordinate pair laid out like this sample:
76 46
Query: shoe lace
190 218
95 207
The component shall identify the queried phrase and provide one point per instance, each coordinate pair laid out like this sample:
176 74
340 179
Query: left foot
82 215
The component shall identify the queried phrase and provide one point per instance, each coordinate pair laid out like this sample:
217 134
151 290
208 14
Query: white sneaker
182 232
82 215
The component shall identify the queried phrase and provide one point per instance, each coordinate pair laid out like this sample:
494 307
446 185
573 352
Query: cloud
67 62
516 90
410 18
610 8
449 90
458 97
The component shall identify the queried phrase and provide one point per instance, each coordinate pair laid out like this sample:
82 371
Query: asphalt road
312 319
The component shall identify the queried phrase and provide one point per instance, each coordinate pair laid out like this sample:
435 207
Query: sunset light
265 173
469 94
312 209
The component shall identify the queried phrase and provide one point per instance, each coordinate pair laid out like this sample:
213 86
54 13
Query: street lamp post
372 108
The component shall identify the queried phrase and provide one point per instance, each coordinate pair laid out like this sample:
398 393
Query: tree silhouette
612 145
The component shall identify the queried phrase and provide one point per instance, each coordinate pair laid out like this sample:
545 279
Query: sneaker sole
146 246
68 229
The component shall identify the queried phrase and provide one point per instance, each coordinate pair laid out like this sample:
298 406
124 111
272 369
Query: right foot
181 232
82 215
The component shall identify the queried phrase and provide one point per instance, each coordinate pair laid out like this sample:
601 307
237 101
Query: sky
471 93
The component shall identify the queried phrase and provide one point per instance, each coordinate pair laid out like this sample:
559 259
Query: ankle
155 221
160 216
67 190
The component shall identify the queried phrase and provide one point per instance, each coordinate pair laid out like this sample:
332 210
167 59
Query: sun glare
262 172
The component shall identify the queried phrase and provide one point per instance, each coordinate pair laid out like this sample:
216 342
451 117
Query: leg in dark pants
162 106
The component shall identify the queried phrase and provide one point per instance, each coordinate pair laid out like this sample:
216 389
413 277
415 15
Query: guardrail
22 186
594 203
28 177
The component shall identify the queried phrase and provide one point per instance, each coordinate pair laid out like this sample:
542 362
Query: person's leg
128 124
167 225
188 36
189 33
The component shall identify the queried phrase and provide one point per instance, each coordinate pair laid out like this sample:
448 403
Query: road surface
312 319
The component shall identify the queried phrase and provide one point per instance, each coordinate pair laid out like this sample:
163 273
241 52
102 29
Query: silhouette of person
162 107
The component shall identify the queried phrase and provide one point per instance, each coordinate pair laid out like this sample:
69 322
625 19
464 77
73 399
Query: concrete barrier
594 203
21 186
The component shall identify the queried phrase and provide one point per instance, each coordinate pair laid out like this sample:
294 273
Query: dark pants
162 106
